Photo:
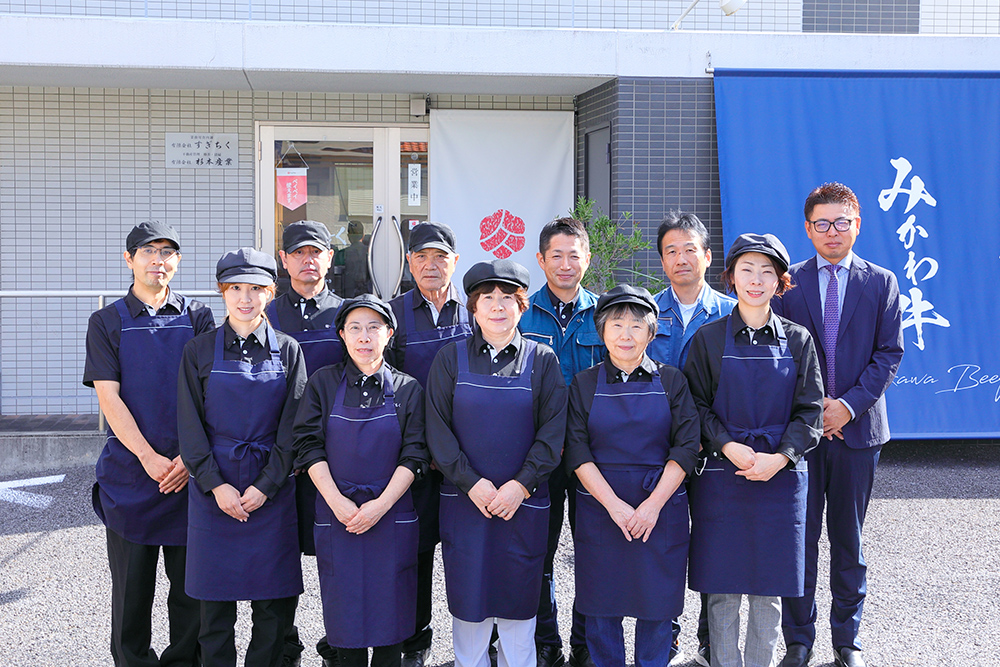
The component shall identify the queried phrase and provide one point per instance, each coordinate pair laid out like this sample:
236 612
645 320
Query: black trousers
133 584
382 656
421 639
267 637
293 647
561 486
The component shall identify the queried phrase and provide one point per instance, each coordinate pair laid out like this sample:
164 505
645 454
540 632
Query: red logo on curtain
291 187
501 233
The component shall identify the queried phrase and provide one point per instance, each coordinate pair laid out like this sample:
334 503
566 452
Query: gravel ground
931 546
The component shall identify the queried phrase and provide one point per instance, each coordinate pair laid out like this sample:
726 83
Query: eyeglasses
840 224
151 251
372 329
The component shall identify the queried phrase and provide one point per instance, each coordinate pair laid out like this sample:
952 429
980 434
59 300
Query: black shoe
579 656
797 655
549 656
329 654
704 655
846 656
415 658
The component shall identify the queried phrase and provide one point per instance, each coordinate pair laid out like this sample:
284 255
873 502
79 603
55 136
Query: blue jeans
606 642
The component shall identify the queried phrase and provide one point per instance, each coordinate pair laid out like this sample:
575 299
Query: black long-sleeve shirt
362 391
104 333
548 393
704 366
196 365
423 320
297 313
685 425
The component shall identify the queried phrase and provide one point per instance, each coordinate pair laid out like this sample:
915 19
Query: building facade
96 95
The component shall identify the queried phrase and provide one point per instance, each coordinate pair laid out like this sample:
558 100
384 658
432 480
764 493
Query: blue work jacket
578 346
672 340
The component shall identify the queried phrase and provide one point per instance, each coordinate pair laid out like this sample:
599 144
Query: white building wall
779 15
80 166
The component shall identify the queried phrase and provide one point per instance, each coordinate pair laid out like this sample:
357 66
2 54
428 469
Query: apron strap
272 339
408 320
272 314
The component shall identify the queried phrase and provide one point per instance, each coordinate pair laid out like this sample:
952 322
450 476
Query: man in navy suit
851 308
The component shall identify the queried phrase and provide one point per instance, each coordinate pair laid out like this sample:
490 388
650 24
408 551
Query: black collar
645 369
556 302
231 338
482 346
356 378
419 299
173 304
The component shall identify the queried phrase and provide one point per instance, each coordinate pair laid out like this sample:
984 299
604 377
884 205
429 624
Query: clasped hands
232 503
755 466
502 502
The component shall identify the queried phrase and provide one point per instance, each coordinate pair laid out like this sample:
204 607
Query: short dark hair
729 285
567 226
488 286
687 222
831 193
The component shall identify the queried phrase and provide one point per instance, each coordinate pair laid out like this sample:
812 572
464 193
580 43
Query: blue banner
922 152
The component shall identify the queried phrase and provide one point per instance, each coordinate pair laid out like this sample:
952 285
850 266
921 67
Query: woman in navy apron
496 420
238 391
360 434
633 435
755 378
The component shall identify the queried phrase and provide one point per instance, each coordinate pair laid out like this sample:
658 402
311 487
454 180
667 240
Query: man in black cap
561 315
430 316
306 312
133 355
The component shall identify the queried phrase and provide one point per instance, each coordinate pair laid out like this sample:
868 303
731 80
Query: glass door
368 185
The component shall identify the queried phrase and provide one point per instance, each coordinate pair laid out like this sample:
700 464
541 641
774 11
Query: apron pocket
590 514
529 530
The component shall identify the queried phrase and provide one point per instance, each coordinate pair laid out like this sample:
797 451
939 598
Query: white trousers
516 646
763 630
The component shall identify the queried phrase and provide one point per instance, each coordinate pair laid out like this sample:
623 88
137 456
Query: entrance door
368 185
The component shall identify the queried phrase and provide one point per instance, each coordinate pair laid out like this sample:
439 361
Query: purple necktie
831 324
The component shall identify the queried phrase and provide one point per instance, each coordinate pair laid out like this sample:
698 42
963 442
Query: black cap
149 231
432 235
365 301
637 296
303 233
246 265
765 244
499 270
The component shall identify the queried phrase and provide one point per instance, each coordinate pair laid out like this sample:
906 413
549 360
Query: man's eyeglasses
840 224
150 251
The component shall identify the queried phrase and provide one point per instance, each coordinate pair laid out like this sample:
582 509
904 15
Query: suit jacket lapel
809 282
855 286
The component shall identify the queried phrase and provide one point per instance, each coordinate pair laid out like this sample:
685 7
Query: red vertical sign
291 187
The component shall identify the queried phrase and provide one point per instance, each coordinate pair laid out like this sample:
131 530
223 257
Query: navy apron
421 348
629 429
320 347
257 559
126 499
749 537
368 582
492 567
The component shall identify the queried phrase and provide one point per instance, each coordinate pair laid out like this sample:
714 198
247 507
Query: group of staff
681 428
